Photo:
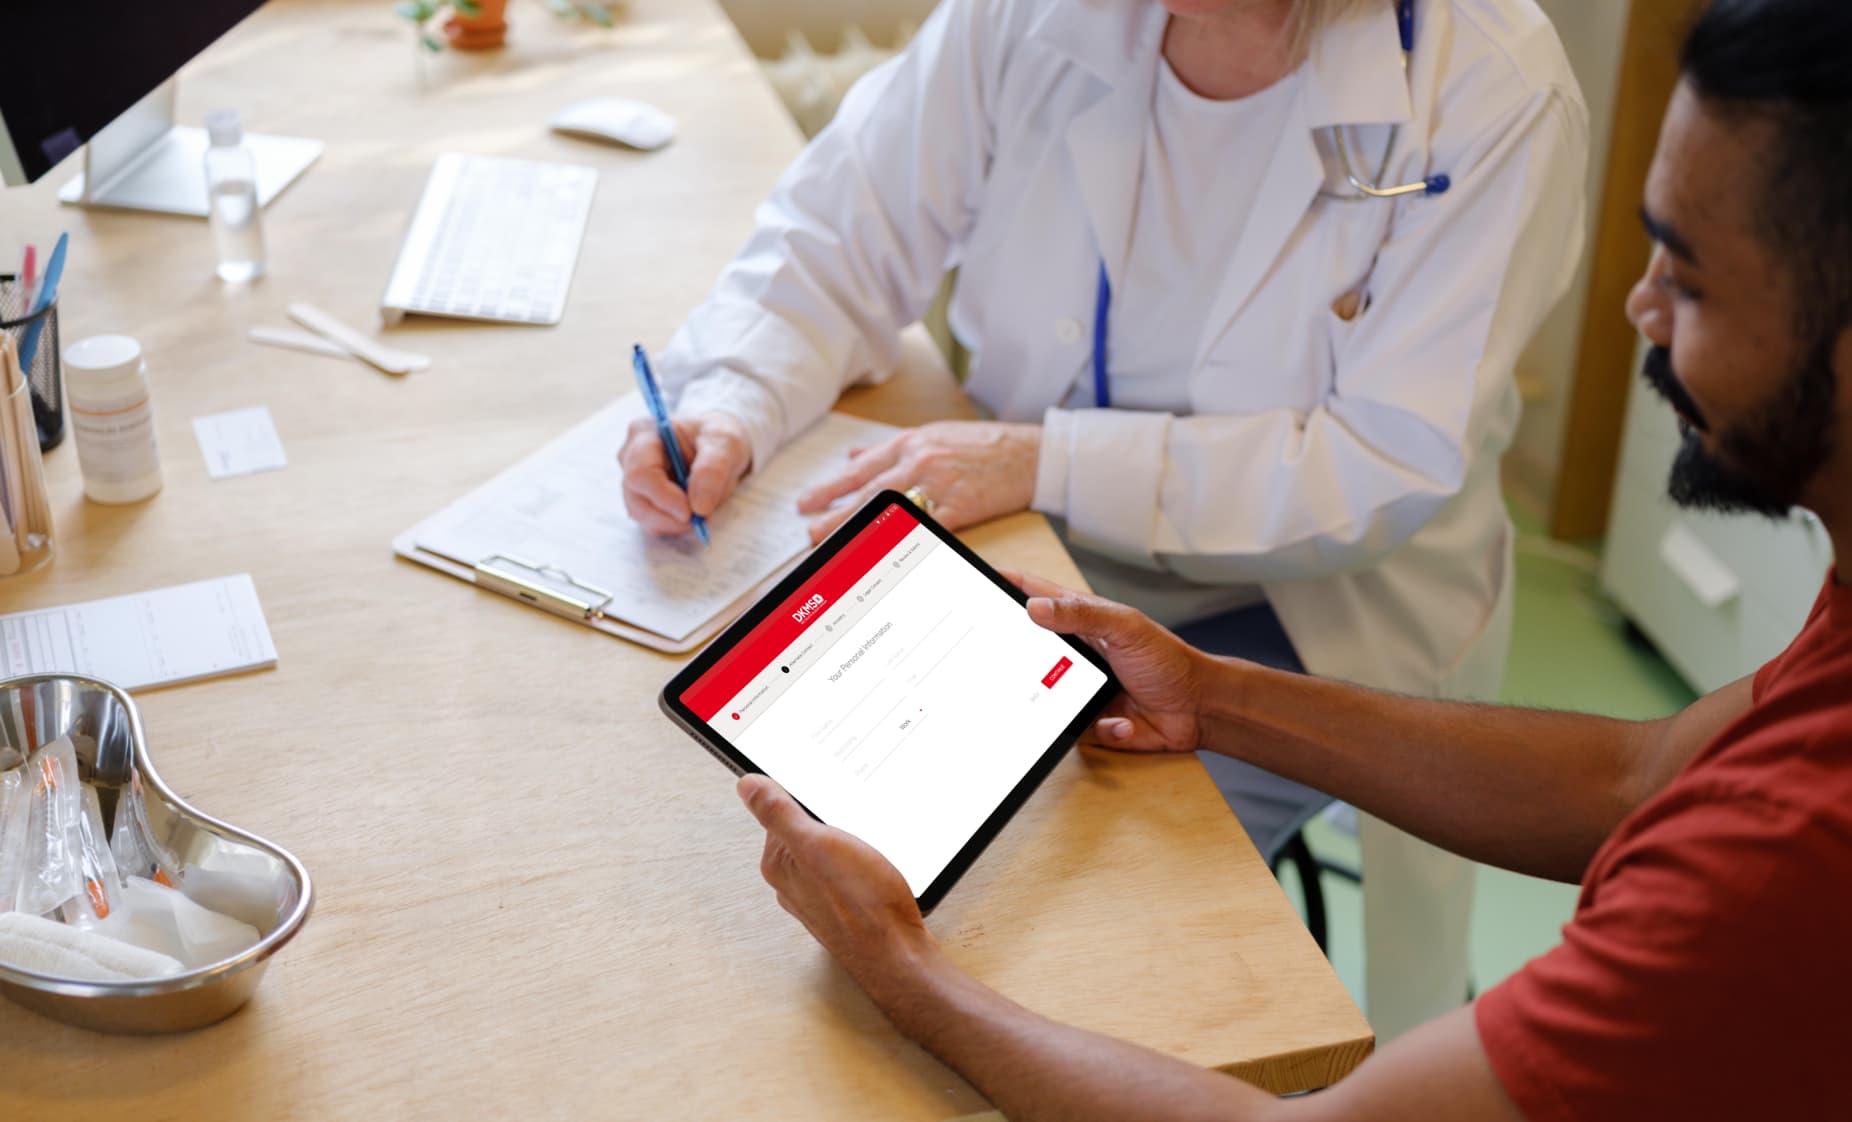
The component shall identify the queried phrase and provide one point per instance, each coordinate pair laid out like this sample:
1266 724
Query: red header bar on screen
811 602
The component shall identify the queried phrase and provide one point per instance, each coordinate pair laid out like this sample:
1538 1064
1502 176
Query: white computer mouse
618 120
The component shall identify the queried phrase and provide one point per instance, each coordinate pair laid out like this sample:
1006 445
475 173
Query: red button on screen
1049 679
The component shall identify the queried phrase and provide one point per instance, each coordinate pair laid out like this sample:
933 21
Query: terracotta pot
489 28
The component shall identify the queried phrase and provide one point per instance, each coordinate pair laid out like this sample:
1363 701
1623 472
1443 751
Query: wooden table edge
1321 1067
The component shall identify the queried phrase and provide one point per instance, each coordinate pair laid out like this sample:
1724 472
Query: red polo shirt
1707 973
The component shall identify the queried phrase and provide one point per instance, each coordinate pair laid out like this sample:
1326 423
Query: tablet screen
899 692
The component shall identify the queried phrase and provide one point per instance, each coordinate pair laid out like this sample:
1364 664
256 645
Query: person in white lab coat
1294 423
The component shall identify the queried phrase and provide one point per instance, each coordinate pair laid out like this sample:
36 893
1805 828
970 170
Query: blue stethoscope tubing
1431 185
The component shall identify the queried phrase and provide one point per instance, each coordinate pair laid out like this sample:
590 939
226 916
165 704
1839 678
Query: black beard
1764 462
1657 370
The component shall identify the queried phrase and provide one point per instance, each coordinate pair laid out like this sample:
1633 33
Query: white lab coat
1348 467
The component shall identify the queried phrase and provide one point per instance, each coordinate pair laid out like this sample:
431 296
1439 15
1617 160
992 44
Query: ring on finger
918 497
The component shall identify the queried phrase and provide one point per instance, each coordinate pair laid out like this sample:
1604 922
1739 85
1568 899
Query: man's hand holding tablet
856 903
1158 710
849 897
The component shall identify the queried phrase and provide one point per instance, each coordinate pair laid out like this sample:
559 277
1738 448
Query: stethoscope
1365 188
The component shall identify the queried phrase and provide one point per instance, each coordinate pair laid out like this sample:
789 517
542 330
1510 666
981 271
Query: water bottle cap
224 128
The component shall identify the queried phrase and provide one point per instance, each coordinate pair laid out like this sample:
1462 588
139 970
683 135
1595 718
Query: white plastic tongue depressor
390 359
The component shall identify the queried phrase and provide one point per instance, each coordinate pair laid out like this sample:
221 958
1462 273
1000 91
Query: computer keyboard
492 239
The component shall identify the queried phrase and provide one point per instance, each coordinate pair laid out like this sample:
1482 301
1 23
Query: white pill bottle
112 417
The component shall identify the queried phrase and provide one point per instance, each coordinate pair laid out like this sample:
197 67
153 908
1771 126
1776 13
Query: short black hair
1789 63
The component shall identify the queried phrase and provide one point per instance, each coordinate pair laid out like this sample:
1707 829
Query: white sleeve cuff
728 391
1051 464
1102 471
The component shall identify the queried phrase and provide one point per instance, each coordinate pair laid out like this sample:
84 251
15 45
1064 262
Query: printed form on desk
563 507
160 638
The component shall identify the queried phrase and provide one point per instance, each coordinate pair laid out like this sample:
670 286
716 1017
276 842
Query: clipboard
555 590
551 532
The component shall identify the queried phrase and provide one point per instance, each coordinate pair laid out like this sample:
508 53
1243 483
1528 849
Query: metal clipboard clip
542 586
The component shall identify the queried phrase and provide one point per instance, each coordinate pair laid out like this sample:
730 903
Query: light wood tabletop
534 896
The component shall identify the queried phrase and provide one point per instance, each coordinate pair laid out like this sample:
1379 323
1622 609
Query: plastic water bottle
231 188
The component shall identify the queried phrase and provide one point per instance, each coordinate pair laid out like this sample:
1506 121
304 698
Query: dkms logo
810 608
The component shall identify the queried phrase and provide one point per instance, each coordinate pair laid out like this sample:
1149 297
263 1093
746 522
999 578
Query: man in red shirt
1710 955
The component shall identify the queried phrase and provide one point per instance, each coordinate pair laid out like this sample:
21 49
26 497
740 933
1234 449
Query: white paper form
161 638
563 507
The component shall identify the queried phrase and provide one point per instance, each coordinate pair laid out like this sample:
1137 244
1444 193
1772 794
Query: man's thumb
777 811
1073 615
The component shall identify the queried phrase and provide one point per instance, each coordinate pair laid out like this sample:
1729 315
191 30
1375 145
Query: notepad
562 510
160 638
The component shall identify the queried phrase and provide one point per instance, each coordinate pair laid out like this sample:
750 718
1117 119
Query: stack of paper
161 638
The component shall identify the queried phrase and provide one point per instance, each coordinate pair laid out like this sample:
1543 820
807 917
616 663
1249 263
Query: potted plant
475 25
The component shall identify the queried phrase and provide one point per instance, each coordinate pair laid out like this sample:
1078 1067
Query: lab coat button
1067 331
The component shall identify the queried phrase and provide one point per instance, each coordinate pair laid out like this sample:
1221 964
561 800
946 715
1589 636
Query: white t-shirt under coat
1202 168
1200 175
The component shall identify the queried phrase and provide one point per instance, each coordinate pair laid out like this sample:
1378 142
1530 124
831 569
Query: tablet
895 685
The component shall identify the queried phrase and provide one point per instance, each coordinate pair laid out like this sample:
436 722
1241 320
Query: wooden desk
535 897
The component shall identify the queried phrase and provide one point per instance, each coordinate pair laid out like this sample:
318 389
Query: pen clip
542 586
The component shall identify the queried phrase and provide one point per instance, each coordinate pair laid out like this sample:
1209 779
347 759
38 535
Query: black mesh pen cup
45 374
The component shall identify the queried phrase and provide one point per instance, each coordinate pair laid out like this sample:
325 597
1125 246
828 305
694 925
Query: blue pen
652 396
54 271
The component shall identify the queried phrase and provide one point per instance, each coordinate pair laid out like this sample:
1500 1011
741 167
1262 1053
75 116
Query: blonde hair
1309 17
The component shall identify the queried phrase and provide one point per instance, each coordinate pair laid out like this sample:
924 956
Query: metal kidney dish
227 869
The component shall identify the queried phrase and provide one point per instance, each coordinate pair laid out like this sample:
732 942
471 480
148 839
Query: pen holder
46 373
25 509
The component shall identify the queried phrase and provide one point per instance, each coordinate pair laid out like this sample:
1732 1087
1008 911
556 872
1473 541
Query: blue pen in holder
46 372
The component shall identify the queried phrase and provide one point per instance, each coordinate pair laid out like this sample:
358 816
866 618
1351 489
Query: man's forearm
1532 790
1032 1068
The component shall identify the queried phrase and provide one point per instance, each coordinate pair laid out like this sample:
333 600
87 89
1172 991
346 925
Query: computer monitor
101 74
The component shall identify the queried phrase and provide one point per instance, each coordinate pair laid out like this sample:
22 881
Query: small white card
239 442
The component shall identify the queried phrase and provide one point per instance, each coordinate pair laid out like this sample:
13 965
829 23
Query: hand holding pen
715 451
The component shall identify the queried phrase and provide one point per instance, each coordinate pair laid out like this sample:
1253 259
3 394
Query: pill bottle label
117 445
